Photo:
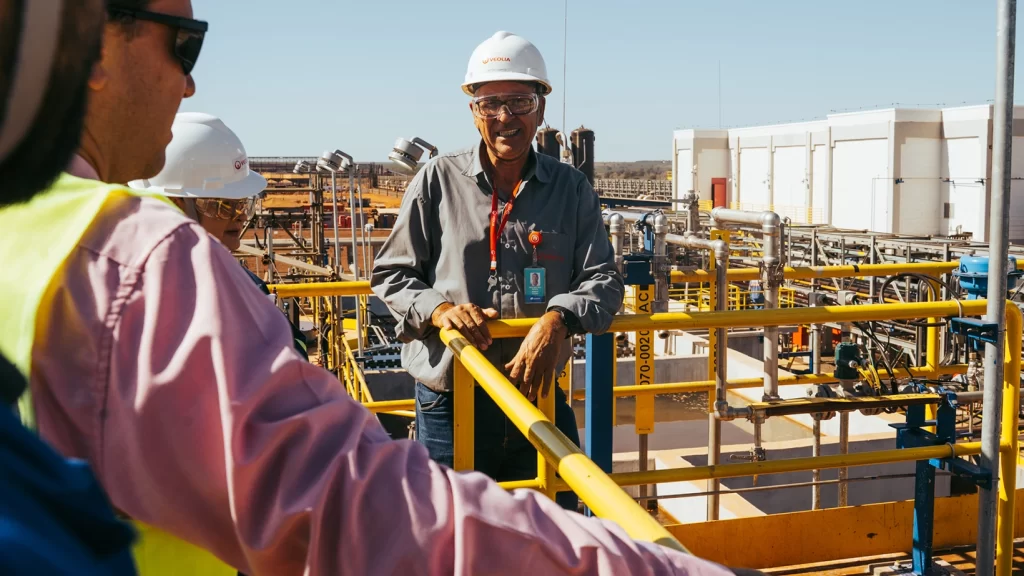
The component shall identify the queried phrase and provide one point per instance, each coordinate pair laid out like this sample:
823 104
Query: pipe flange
822 391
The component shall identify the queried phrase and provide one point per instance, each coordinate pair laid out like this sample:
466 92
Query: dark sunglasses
189 38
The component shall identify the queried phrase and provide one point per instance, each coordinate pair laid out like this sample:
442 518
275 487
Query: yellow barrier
518 328
599 490
318 289
585 478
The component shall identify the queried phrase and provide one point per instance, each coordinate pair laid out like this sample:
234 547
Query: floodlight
406 154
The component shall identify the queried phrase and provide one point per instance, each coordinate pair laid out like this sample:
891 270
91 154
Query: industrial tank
583 151
547 142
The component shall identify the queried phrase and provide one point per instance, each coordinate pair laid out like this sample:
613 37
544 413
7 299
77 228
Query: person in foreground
54 517
152 355
497 231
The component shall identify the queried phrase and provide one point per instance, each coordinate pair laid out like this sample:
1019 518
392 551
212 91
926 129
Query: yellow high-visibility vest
39 235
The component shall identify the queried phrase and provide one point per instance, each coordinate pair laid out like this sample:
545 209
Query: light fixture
302 166
406 154
336 161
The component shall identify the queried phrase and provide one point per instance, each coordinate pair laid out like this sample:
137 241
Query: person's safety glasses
188 40
241 209
489 107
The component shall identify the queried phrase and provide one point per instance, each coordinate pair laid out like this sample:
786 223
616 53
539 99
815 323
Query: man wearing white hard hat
207 175
497 231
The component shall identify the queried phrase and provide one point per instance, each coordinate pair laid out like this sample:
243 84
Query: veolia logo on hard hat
240 163
497 59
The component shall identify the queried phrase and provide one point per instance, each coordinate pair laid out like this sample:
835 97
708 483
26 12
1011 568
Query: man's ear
99 76
540 110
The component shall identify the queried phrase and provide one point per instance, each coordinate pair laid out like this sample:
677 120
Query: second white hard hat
506 57
205 159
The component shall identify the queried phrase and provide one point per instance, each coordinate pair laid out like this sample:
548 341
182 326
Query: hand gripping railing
590 483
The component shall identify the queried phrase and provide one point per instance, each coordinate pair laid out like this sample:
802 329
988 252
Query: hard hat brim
251 185
506 77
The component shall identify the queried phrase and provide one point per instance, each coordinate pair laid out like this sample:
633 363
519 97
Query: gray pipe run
252 251
617 232
999 234
770 226
720 249
627 215
660 265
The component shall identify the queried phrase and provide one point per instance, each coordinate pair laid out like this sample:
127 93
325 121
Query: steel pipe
273 257
788 465
722 411
999 231
770 226
720 249
616 230
844 448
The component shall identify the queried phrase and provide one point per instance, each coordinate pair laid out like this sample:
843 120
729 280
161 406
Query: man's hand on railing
469 319
533 368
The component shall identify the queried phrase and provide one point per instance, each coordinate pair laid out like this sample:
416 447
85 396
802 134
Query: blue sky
296 77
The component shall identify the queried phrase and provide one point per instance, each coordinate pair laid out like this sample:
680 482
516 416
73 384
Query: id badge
534 278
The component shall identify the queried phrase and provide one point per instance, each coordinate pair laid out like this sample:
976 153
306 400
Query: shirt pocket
555 255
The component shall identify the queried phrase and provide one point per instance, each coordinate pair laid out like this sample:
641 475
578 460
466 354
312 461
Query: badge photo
534 280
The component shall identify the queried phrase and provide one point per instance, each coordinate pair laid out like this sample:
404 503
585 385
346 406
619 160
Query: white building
902 171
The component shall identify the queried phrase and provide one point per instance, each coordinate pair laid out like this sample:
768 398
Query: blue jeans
501 451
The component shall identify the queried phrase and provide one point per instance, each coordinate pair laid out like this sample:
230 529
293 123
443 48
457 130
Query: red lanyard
497 226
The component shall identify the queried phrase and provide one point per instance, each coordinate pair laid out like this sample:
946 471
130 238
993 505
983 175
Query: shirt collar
534 167
81 168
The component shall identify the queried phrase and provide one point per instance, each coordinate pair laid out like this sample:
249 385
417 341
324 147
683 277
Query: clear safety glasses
489 107
241 209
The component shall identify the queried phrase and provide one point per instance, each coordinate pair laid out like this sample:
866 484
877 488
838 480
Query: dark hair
128 25
53 137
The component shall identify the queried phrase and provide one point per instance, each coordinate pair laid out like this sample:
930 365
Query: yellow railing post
463 395
644 363
932 359
1009 450
581 474
545 471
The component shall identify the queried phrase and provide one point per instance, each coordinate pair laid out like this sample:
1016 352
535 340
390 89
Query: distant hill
641 170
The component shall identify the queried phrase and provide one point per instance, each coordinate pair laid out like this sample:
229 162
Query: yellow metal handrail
580 473
314 289
599 490
519 327
552 443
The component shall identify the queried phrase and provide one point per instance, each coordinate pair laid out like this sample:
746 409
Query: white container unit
902 171
966 166
698 157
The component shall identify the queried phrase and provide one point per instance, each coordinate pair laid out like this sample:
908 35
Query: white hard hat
507 57
204 160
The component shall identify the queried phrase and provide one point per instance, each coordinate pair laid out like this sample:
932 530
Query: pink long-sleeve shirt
165 367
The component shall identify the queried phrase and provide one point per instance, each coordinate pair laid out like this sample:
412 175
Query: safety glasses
241 209
489 107
188 39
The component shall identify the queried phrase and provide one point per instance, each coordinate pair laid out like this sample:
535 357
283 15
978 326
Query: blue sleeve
54 518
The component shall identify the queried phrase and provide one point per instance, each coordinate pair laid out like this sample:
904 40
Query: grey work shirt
439 251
